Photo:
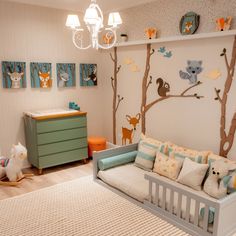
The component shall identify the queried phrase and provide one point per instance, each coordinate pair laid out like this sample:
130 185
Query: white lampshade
114 19
91 16
72 21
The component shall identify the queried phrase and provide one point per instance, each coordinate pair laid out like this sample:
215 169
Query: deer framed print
88 75
41 75
13 75
66 75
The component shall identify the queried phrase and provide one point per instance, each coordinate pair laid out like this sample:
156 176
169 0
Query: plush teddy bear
217 180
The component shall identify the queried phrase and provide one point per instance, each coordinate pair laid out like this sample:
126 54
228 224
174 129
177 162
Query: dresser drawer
64 146
62 158
60 124
63 135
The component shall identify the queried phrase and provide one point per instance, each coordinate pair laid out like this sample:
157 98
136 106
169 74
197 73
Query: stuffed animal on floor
218 179
3 163
15 163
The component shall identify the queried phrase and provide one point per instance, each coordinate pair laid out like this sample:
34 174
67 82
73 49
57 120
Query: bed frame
225 209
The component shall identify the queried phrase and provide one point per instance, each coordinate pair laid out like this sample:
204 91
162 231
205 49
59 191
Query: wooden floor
51 176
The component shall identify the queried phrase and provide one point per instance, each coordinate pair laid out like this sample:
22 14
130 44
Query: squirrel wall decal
163 87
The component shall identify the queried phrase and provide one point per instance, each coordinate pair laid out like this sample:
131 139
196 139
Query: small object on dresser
124 37
151 33
189 23
74 106
223 24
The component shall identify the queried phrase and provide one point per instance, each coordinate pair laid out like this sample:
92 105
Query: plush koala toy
216 183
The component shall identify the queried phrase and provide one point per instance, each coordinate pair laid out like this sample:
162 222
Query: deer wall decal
127 134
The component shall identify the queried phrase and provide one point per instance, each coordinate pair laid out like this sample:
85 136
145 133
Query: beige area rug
79 207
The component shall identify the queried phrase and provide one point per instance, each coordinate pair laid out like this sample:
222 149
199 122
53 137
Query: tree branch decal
162 92
117 99
227 139
181 95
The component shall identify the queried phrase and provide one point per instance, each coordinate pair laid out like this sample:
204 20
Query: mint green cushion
118 160
210 216
182 156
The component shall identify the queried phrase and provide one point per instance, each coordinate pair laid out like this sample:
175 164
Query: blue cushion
118 160
210 216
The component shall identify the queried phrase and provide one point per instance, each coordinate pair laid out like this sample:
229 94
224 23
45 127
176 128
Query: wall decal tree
227 139
116 97
147 81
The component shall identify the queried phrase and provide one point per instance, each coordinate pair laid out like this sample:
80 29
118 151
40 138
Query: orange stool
96 144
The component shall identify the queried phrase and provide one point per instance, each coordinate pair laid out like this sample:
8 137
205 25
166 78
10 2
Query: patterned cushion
232 183
153 142
213 157
167 166
174 147
192 174
145 156
182 152
199 157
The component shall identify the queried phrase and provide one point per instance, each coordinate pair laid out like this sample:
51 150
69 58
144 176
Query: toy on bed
12 168
217 181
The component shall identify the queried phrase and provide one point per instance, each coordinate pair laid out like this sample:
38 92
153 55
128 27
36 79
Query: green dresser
56 139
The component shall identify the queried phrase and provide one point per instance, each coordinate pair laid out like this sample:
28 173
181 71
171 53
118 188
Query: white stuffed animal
15 164
216 183
3 162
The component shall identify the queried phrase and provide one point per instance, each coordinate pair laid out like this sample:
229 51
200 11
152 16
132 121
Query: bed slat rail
167 205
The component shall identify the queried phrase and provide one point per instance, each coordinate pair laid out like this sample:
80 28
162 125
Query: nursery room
118 117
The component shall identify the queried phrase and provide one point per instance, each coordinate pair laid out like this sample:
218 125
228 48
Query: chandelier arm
114 41
74 40
100 11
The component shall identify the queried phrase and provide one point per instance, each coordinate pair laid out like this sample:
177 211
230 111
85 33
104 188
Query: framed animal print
41 75
66 75
13 75
88 75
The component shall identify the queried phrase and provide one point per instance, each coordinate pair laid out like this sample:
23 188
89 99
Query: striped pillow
169 147
232 183
199 157
146 156
153 142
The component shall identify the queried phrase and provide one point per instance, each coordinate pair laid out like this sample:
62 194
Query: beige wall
185 121
35 34
166 14
31 33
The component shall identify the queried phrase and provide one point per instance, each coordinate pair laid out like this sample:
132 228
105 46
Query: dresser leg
85 161
40 171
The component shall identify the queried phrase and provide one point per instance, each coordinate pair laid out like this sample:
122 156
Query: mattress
130 180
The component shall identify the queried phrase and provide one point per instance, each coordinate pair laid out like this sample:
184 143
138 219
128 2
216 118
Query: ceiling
81 5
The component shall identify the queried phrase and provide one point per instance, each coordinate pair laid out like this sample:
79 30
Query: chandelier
93 19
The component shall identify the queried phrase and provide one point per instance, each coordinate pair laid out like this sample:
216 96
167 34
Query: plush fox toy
223 24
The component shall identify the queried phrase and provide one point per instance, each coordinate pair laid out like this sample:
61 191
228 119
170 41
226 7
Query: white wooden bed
169 200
